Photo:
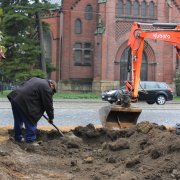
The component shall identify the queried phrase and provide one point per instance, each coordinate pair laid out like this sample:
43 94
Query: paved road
83 112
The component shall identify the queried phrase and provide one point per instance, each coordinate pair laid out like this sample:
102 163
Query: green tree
21 38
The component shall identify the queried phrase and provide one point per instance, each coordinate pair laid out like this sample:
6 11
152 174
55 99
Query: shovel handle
54 126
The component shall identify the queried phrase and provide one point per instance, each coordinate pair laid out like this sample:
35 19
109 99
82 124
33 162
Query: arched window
89 12
124 65
47 48
136 8
143 9
151 9
128 8
47 45
78 26
120 8
177 63
144 68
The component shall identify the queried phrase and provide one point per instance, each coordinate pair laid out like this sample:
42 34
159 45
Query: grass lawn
70 95
177 98
64 95
76 96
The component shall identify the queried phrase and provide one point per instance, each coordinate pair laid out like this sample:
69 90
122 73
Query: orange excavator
123 115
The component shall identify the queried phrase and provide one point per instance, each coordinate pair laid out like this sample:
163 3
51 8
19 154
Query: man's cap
54 84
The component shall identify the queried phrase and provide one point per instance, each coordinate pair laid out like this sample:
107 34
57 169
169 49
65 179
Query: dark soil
147 151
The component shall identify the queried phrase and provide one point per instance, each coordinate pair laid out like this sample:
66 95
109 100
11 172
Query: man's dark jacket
34 97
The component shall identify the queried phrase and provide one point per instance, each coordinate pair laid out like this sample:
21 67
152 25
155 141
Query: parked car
149 91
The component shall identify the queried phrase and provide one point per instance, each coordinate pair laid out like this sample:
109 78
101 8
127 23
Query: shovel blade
117 117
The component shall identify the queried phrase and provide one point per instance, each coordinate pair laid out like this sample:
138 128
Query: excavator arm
116 116
168 32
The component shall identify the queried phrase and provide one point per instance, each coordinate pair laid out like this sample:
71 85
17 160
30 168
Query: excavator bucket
117 117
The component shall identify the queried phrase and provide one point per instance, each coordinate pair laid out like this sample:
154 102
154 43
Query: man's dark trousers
19 120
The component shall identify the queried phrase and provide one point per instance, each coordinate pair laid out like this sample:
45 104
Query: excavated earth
147 151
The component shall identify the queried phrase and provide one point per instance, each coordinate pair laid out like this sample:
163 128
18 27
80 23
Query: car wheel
111 102
150 102
161 99
118 102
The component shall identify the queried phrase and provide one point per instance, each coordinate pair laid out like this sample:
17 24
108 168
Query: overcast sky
55 1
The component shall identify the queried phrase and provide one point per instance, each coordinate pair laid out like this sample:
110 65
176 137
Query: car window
151 85
162 86
141 86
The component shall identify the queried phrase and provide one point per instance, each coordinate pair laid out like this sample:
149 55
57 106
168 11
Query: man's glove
50 121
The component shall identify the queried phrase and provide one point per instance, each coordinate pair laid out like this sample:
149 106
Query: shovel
61 134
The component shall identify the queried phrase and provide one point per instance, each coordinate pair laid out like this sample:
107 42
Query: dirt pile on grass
147 151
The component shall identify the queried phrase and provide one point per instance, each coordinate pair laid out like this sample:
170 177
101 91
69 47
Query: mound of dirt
147 151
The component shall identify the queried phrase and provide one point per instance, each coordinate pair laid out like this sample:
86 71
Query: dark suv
149 91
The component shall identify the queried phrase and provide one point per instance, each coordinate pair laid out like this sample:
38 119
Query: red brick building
89 42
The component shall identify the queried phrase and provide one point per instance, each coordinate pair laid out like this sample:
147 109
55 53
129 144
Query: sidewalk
90 101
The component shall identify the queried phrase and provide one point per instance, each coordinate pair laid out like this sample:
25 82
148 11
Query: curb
91 101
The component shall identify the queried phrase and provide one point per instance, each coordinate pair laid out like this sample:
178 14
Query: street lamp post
40 32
